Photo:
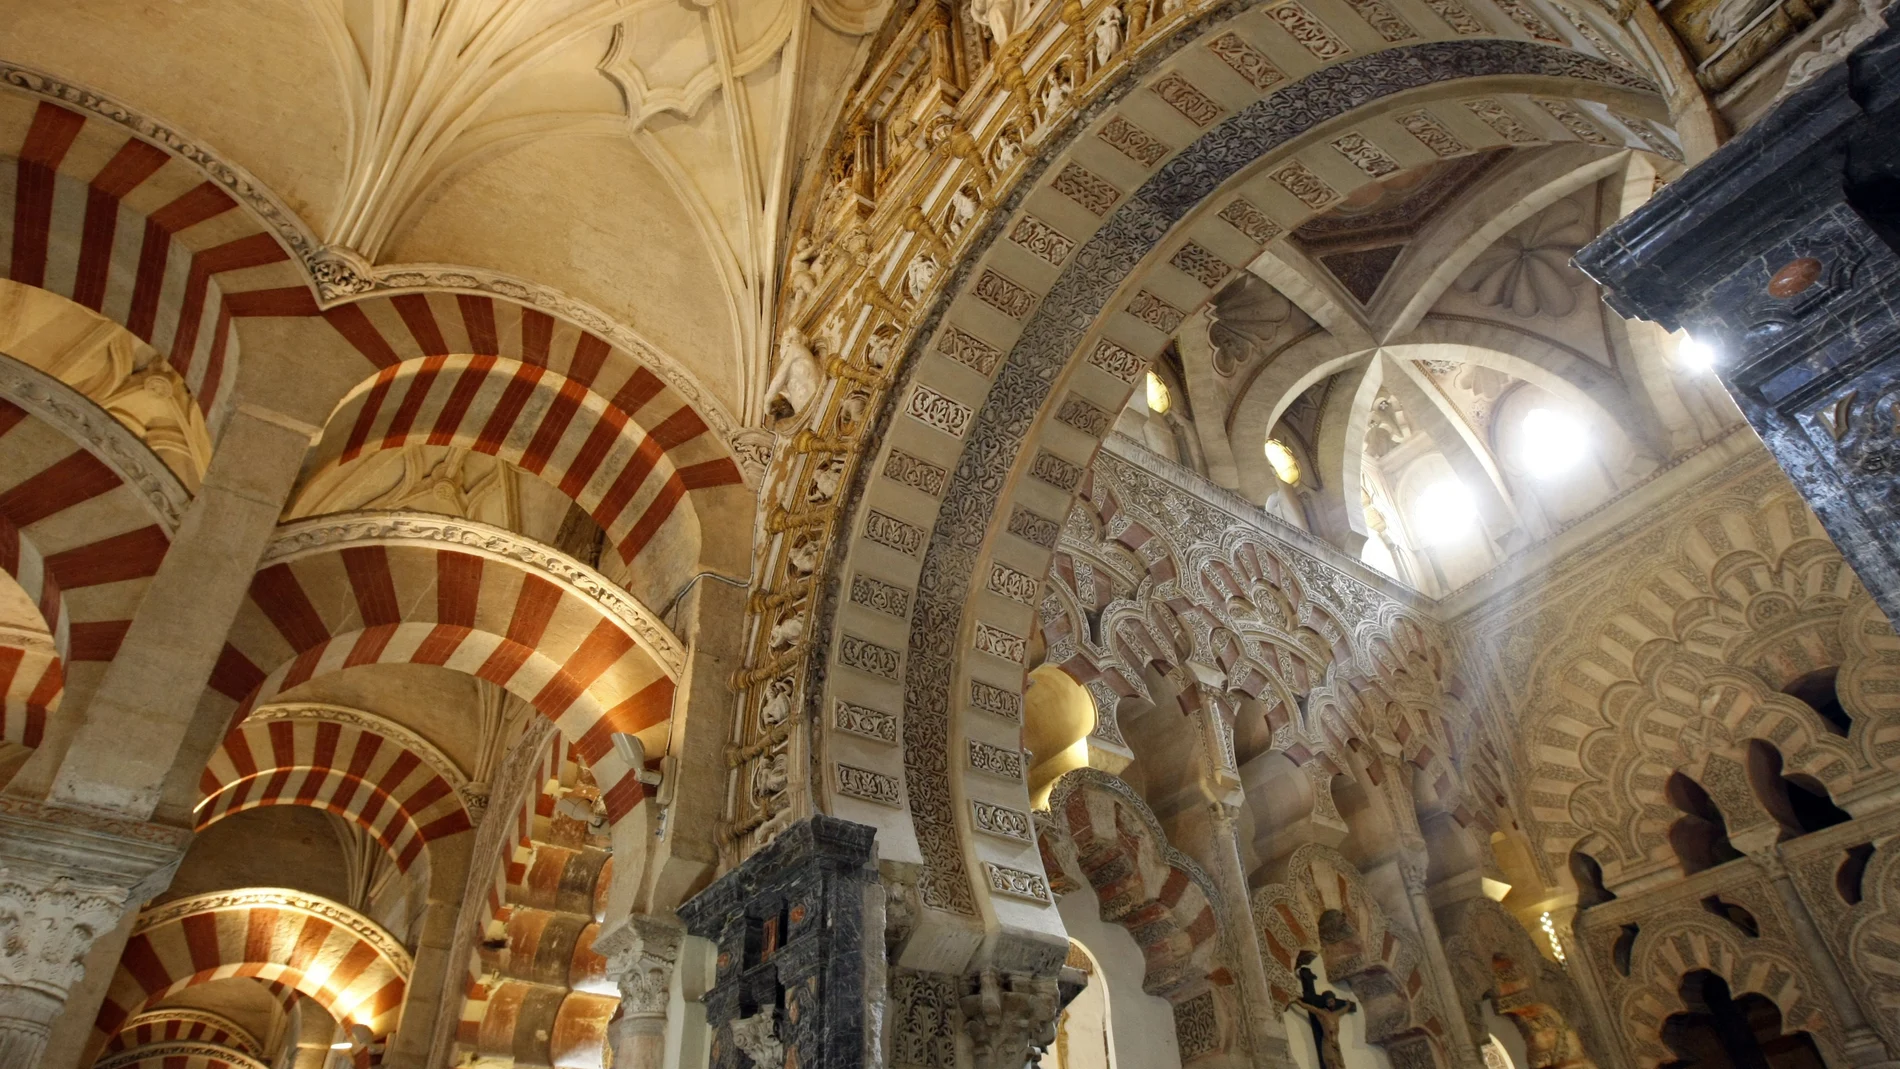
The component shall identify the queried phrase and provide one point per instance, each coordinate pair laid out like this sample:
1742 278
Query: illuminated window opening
1552 443
1444 512
1285 464
1158 399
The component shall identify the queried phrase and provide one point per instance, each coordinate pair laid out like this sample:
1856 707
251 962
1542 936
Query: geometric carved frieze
1311 190
1310 32
1200 265
1056 471
997 761
920 475
1365 155
1034 529
1132 141
1457 16
1083 187
938 412
1251 221
867 656
1499 118
1045 241
893 533
1432 133
1383 19
1000 643
879 596
1247 61
996 700
1574 121
1004 294
1534 24
977 355
1077 412
1016 883
1194 105
862 783
1156 312
1012 584
864 721
1001 821
1117 361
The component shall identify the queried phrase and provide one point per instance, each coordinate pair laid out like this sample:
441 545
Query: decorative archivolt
178 1024
1872 944
179 1054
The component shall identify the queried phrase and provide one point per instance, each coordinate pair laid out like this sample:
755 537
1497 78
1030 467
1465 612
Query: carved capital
1007 1015
641 954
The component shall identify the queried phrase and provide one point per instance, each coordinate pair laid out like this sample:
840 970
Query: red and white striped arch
382 588
125 228
179 1054
396 788
176 1024
328 952
607 432
86 515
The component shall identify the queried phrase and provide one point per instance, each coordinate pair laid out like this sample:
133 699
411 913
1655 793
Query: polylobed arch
337 592
391 782
1681 941
327 952
1492 957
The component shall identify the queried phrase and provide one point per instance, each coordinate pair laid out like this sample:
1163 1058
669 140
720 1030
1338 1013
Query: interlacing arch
379 588
1319 903
1727 609
1100 834
390 781
327 952
1687 939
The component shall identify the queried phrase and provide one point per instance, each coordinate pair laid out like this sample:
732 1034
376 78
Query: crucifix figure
1323 1011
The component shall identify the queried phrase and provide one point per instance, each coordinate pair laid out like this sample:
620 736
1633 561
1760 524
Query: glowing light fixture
1694 355
1158 399
1550 932
1444 512
1552 442
1285 464
345 1045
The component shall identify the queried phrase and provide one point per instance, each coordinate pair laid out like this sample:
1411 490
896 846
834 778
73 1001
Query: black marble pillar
1782 251
789 927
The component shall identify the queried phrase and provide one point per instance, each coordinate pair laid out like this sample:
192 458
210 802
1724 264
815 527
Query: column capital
641 953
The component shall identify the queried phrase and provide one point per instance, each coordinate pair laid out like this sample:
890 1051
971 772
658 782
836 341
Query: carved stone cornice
325 534
156 1053
357 718
387 946
90 426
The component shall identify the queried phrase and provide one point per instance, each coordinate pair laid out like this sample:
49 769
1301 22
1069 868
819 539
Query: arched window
1589 876
1800 804
1817 691
1700 836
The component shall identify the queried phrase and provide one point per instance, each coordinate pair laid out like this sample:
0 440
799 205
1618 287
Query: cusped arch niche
1098 834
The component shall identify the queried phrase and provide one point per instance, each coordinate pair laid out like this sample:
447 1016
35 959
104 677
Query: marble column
641 955
67 877
790 927
1781 251
1220 782
1459 1042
